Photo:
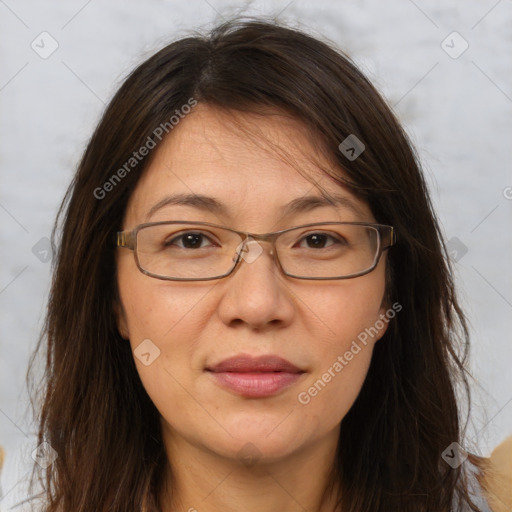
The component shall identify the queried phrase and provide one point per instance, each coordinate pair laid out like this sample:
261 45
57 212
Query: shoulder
496 481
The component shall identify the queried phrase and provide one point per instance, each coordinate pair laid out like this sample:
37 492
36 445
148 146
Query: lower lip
256 385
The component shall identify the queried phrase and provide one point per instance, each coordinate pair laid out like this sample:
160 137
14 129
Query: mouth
255 377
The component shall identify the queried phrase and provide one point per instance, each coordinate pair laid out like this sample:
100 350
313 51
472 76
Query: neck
199 480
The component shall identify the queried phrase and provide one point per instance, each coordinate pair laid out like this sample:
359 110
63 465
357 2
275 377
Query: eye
188 240
320 240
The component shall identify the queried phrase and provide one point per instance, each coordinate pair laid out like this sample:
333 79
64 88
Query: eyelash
168 243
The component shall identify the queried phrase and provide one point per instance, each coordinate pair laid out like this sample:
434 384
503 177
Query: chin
267 443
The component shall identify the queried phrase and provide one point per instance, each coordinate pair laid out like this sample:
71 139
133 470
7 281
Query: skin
256 310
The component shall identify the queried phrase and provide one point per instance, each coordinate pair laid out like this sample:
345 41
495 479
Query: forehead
249 163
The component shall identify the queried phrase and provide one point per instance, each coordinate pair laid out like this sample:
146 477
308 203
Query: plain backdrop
444 67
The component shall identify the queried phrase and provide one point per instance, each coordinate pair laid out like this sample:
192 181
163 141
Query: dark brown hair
94 410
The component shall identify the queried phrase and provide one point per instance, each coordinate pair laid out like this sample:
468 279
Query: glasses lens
329 250
186 251
193 251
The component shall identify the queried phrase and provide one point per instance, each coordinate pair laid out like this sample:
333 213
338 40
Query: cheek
348 311
350 326
155 308
330 393
164 326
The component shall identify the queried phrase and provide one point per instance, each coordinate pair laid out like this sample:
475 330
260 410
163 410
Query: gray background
456 110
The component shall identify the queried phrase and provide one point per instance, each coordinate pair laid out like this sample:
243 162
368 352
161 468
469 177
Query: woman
252 307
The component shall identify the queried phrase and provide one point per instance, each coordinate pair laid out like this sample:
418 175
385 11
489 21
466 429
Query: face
256 311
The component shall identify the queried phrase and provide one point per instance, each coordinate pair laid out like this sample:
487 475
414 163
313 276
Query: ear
387 313
382 323
122 324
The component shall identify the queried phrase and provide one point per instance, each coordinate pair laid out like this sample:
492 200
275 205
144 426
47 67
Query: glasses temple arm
125 239
390 238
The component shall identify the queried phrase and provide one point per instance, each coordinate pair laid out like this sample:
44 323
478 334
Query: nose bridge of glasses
250 246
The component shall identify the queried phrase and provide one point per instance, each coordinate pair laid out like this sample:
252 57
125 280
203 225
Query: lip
255 377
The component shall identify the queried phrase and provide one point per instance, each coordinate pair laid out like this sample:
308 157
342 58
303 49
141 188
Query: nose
256 293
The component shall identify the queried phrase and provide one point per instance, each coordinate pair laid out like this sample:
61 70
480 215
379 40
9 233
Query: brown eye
320 240
189 240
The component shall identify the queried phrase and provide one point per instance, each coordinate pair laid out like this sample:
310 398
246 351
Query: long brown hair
94 411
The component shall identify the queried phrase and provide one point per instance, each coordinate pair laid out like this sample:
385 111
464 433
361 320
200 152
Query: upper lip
244 363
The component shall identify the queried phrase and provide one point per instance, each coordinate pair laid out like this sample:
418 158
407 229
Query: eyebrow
298 205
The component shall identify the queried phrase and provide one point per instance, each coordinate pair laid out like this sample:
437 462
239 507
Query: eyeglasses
201 251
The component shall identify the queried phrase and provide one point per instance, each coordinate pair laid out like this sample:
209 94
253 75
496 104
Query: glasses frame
128 240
